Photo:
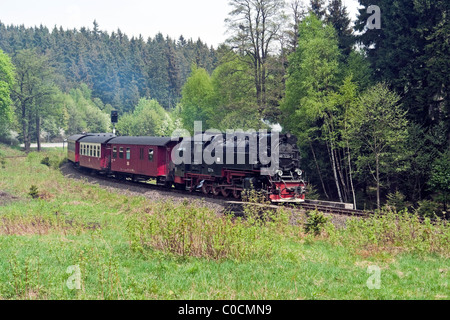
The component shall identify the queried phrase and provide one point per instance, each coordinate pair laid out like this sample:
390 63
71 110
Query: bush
396 201
33 193
54 161
46 161
427 208
316 222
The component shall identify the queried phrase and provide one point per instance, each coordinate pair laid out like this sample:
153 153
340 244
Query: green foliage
311 192
6 82
119 69
233 104
196 98
396 232
316 222
148 119
440 176
189 230
53 160
34 93
412 34
338 17
81 113
396 201
34 192
440 173
312 76
378 131
427 209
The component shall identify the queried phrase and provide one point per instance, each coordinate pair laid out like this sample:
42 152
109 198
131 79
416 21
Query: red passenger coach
142 157
73 147
93 151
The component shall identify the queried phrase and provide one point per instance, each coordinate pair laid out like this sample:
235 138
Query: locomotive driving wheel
206 188
225 192
236 193
215 190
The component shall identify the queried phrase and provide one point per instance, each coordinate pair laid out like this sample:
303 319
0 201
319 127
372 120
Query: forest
370 107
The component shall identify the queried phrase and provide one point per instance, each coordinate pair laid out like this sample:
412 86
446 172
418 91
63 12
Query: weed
397 232
189 230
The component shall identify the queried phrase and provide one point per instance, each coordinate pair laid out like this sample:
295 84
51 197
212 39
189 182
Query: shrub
33 193
46 161
396 201
427 208
316 222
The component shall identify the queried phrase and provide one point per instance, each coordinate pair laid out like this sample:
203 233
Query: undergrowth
395 232
188 230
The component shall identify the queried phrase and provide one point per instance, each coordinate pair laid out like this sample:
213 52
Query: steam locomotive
211 163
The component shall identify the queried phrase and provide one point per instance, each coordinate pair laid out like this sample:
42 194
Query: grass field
67 239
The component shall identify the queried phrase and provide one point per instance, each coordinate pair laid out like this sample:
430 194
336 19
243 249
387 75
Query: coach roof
142 141
97 138
76 137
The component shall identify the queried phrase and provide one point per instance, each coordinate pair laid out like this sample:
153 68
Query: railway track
335 210
238 207
235 206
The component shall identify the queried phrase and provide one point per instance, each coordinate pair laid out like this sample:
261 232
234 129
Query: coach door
148 162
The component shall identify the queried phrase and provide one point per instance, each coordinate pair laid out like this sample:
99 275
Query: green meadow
62 238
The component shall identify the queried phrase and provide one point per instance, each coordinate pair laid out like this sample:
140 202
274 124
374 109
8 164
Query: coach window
98 151
150 155
115 152
121 153
128 153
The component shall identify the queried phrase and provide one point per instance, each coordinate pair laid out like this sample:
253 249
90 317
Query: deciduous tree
378 131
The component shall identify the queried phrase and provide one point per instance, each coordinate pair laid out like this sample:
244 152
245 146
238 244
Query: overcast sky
194 19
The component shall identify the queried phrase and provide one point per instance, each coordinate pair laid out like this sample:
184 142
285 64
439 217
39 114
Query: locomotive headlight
299 172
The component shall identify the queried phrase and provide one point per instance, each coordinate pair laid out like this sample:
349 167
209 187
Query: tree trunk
318 170
350 174
38 132
341 176
378 180
26 138
333 165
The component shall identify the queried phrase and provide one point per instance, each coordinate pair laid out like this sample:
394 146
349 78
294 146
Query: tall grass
396 232
191 230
